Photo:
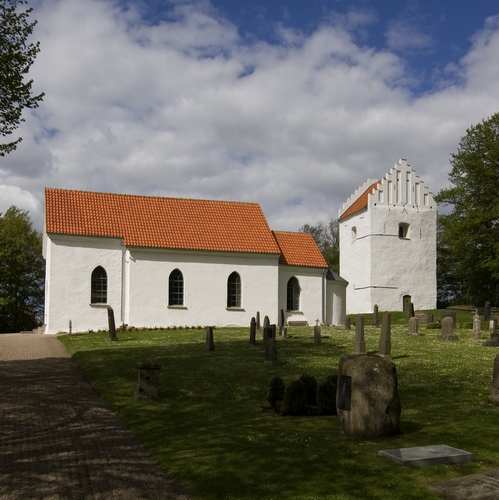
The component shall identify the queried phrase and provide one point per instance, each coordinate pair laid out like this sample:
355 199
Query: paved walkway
58 440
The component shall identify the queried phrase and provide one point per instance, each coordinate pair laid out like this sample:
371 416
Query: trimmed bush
310 389
276 391
295 399
326 396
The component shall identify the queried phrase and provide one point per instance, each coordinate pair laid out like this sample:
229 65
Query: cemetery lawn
210 430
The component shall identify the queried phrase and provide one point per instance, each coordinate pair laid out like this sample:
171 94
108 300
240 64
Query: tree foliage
327 237
22 272
17 54
469 239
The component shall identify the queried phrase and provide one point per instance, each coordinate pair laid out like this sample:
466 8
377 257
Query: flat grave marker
420 456
481 486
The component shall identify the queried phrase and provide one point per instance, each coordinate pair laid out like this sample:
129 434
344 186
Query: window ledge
99 304
294 311
235 309
177 307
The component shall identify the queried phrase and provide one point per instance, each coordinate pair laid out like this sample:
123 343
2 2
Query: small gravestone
112 325
347 323
494 395
317 333
421 456
493 329
271 352
266 321
367 396
258 320
210 346
411 310
429 317
448 329
253 331
359 346
477 326
148 383
486 311
413 326
284 332
376 316
449 314
385 344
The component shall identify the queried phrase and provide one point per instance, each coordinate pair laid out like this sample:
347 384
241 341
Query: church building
388 243
162 262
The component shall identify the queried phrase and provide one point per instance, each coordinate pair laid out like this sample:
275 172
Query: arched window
293 295
354 233
176 288
98 293
404 231
234 290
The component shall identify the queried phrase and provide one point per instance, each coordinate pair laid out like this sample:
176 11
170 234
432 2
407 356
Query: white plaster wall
311 293
205 288
70 262
336 303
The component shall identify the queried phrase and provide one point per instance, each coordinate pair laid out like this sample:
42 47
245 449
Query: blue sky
292 104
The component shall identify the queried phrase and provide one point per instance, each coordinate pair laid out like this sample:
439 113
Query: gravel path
58 439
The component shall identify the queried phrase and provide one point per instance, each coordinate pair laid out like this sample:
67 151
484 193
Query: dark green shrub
326 396
310 389
276 391
295 399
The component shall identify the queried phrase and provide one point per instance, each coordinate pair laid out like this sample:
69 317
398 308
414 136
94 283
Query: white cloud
187 108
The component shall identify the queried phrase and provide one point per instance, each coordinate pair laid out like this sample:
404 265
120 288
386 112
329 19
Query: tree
469 242
22 272
16 57
327 237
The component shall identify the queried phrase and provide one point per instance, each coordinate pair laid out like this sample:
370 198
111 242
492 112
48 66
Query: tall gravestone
413 326
376 316
317 334
359 346
112 325
253 331
347 323
271 352
266 321
258 320
411 310
448 329
487 311
367 396
477 326
385 343
210 346
268 334
282 318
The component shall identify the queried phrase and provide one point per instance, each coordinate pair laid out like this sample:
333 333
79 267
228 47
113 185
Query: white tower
388 244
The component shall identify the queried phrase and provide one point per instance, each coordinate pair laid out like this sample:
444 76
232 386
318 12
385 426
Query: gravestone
411 310
493 329
253 331
477 326
413 326
376 316
385 344
268 334
210 346
479 486
148 383
266 321
367 397
271 352
447 314
494 395
317 333
112 325
282 318
421 456
429 317
347 323
486 311
258 320
359 346
448 329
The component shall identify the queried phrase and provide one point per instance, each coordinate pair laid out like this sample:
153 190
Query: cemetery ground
210 430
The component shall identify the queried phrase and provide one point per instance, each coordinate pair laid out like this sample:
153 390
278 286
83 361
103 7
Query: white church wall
311 293
336 303
205 277
68 284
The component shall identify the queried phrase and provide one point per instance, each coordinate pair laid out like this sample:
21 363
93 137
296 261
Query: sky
292 104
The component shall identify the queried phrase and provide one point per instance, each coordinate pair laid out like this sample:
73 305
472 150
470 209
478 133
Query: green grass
209 431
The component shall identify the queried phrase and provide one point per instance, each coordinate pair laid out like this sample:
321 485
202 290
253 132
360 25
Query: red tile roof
360 203
299 249
146 221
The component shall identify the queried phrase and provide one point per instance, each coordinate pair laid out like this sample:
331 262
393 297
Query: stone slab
427 455
483 486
